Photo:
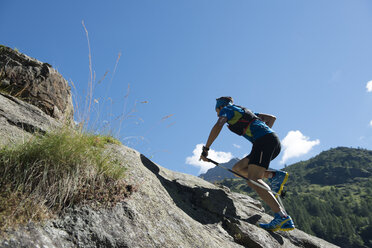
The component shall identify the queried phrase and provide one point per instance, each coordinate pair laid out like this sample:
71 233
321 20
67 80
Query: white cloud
369 86
237 146
370 123
295 144
221 157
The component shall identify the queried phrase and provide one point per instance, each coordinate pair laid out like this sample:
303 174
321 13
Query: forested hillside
329 195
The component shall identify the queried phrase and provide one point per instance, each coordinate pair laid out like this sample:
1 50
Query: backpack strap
249 123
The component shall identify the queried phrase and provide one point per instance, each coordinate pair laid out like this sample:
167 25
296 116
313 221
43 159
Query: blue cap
222 103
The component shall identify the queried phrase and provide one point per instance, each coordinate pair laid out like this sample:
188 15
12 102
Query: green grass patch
45 175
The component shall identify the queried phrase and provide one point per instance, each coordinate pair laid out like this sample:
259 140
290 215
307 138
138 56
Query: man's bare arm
214 133
268 119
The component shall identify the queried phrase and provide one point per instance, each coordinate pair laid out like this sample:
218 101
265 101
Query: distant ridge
217 173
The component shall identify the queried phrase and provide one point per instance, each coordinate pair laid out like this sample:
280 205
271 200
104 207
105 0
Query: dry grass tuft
42 177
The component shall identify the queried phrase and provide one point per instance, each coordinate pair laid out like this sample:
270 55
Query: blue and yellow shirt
254 131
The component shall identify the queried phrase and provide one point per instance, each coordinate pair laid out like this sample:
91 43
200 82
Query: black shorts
264 150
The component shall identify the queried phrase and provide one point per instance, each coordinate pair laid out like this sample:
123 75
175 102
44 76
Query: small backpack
240 127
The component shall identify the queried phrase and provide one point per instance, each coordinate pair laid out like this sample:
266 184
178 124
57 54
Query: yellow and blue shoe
278 181
288 226
278 222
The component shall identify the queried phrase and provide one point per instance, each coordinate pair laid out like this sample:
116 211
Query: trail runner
256 128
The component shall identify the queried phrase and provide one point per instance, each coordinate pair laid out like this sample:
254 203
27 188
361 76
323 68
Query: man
266 146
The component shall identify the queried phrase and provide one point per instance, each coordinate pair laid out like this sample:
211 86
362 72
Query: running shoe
288 226
277 223
278 181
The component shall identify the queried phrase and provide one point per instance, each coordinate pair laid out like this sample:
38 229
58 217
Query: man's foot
278 181
278 222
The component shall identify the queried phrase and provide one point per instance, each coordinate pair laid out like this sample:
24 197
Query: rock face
167 209
36 83
19 120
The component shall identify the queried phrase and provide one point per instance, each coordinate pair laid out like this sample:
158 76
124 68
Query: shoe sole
282 185
287 229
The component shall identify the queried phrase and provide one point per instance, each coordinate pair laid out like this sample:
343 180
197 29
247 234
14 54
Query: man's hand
204 154
203 158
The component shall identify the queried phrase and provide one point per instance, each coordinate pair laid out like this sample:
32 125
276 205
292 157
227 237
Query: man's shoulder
227 109
225 112
235 108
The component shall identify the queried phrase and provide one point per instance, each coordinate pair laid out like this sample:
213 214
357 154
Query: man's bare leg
241 167
256 173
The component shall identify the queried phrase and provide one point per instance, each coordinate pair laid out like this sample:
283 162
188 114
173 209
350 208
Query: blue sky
306 62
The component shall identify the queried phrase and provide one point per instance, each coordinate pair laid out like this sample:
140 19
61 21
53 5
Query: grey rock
36 83
168 209
19 120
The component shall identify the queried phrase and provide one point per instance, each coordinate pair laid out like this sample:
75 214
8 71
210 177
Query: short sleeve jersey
256 129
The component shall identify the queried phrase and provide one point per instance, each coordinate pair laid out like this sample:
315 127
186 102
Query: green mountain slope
329 196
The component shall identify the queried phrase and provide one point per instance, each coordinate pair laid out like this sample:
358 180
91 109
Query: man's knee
241 165
237 169
256 172
241 168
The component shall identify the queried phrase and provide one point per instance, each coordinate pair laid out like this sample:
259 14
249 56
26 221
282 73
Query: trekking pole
251 181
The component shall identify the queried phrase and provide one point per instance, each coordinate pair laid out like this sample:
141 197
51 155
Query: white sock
282 214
